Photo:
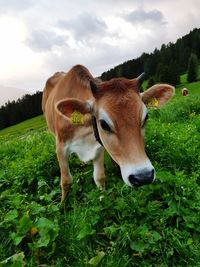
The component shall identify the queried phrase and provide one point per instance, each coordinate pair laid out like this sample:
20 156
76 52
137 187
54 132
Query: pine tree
174 77
164 76
192 68
151 82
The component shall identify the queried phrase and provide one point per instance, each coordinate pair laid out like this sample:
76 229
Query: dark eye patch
105 126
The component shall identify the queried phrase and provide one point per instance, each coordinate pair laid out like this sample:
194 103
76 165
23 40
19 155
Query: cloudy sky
40 37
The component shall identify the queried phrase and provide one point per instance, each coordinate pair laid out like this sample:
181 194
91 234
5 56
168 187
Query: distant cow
184 92
88 116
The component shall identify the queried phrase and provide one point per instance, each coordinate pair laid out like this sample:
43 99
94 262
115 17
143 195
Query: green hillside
24 128
38 123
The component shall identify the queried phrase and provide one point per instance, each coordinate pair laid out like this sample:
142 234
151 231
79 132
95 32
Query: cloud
15 5
140 16
42 41
97 34
105 55
84 26
100 56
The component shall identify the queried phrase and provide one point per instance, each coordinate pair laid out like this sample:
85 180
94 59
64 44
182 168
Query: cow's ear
157 95
74 110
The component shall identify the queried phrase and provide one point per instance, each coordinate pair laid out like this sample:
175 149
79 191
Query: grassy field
24 128
156 225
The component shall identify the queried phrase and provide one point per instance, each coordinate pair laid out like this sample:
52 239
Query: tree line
24 108
163 65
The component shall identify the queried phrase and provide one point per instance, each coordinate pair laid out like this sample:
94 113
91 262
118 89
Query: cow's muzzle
142 178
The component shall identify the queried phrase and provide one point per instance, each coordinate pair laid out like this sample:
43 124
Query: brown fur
125 109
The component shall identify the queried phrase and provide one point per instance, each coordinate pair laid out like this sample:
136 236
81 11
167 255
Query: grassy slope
38 123
194 88
156 225
23 128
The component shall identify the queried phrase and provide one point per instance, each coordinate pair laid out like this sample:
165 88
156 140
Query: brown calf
78 108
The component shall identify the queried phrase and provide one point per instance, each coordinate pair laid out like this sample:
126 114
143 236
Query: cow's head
121 113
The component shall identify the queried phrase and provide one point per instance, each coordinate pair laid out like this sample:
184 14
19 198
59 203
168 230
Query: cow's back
50 85
74 84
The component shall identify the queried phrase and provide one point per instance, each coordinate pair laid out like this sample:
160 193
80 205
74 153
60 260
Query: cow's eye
105 126
144 122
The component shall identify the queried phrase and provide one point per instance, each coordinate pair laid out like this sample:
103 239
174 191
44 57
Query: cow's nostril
133 180
152 174
139 179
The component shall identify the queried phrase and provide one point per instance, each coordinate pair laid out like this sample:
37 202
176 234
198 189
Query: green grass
194 88
24 128
156 225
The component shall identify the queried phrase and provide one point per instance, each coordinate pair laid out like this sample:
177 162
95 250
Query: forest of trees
163 65
24 108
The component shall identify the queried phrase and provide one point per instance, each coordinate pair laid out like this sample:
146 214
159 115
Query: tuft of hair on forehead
81 72
117 85
81 75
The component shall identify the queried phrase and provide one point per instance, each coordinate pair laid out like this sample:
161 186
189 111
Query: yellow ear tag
77 117
153 103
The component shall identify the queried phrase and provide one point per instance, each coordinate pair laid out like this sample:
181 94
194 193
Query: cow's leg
66 178
99 173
